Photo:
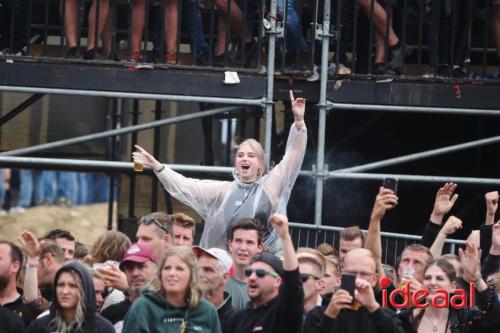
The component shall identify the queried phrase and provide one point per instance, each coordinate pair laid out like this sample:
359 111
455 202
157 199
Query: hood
88 288
245 185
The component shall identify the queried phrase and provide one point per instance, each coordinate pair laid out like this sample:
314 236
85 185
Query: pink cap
140 253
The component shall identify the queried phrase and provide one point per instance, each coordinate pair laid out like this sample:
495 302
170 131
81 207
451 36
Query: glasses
361 275
148 219
261 273
304 277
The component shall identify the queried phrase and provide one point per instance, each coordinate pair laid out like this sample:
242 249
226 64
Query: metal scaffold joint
320 174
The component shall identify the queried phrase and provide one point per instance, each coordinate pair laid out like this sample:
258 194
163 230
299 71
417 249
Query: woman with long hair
439 275
174 303
254 192
74 306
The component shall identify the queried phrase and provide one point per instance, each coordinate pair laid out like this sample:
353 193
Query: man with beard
213 268
11 261
139 263
275 290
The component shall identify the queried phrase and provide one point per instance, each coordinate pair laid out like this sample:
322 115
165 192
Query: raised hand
491 199
298 107
340 300
384 201
445 199
471 262
142 156
29 244
451 225
280 224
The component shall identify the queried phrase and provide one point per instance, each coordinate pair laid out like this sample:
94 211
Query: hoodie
93 323
152 313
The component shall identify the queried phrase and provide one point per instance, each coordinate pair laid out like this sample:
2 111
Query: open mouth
245 167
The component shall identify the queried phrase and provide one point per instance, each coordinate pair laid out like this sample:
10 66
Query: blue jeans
58 185
30 188
83 188
294 37
191 18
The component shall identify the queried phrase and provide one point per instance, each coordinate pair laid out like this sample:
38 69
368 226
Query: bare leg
103 17
379 19
379 48
138 19
495 23
236 15
107 37
220 47
70 22
171 20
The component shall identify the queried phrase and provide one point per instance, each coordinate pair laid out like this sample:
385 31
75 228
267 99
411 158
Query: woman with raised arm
255 192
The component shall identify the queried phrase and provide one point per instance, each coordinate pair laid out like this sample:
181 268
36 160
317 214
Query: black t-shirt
116 312
21 310
10 323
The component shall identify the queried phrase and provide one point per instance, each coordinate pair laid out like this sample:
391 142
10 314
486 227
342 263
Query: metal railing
393 244
428 40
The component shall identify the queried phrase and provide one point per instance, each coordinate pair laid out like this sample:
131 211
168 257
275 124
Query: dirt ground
86 223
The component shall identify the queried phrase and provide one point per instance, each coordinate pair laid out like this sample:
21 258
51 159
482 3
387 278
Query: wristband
161 169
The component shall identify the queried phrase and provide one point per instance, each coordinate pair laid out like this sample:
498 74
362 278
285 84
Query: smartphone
348 283
391 184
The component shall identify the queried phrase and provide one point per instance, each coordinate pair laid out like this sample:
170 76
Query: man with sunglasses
275 290
361 313
312 282
156 230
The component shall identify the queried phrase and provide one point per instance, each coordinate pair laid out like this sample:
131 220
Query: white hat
216 253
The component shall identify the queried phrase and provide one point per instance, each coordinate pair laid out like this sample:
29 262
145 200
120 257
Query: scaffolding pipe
127 167
320 162
422 155
413 109
120 131
116 94
270 83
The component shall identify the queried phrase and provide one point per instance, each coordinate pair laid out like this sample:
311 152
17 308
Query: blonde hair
259 151
58 321
193 293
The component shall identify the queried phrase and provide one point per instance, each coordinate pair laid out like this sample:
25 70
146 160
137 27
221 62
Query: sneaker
135 57
171 58
315 74
202 59
220 61
3 212
458 73
396 57
251 51
379 69
93 54
72 53
17 210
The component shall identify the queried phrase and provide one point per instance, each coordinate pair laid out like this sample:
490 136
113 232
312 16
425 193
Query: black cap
271 260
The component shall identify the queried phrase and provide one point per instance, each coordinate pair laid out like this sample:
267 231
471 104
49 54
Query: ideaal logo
419 299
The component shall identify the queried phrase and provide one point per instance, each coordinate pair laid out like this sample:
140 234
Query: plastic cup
138 167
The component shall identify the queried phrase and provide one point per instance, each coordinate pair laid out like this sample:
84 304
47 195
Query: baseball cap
140 253
271 260
216 253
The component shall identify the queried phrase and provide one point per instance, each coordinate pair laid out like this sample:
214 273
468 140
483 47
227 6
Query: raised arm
384 201
444 202
491 199
450 227
280 224
202 195
31 247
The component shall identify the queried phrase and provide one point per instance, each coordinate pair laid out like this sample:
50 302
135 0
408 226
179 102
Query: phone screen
348 283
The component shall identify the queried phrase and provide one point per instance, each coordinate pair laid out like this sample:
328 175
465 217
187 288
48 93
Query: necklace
434 326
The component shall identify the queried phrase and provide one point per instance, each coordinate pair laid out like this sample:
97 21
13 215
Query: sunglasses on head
304 277
148 219
260 273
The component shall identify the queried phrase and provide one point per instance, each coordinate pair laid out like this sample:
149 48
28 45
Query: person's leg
71 22
48 186
220 46
379 19
138 21
103 18
107 37
171 20
295 37
192 19
38 193
495 24
25 188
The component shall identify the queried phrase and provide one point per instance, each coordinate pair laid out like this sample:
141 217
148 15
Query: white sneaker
17 210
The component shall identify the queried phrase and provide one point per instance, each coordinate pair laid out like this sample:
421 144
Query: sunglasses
304 277
261 273
148 219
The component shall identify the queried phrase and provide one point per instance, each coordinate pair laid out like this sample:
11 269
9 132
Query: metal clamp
320 174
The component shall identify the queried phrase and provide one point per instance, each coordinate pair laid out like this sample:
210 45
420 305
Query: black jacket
225 310
93 323
281 314
9 322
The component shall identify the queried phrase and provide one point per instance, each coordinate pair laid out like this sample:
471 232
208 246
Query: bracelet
161 169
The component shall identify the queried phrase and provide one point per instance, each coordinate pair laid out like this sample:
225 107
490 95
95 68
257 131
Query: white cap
216 253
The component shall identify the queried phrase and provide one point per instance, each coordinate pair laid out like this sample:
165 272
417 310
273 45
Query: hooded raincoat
221 203
93 323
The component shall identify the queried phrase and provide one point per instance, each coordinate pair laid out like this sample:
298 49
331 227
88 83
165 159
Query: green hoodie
152 313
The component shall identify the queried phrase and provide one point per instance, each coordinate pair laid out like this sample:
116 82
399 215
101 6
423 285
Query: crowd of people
234 26
21 189
246 275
